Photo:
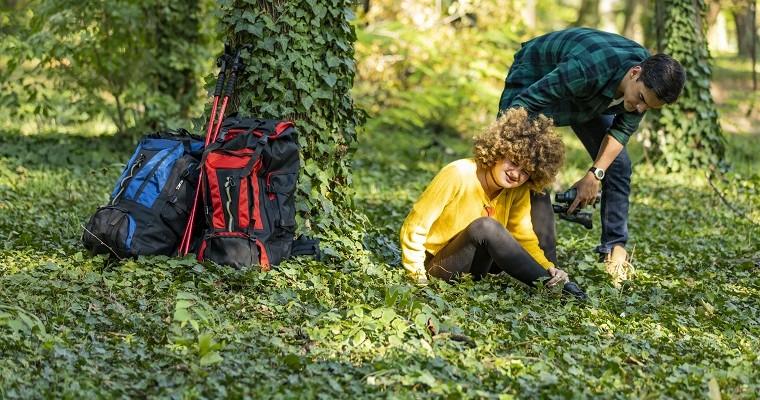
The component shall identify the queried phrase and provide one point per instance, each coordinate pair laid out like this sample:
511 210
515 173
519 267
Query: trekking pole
237 65
184 246
211 135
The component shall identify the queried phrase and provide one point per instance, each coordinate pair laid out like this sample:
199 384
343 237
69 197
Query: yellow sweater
451 202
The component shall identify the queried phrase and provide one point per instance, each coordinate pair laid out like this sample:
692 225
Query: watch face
599 173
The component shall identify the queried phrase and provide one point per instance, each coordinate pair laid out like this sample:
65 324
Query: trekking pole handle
222 63
237 65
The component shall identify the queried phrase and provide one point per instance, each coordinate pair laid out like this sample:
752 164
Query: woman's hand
419 278
557 276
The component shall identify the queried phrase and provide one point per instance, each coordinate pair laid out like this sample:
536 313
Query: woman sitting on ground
474 217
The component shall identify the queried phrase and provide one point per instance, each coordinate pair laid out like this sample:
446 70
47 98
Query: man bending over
600 84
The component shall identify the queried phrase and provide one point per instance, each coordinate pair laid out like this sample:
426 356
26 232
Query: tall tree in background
178 38
631 14
686 133
744 21
301 67
136 62
588 14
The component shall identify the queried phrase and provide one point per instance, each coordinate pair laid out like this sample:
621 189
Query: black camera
565 199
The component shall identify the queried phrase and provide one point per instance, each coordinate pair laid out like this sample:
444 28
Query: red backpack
248 182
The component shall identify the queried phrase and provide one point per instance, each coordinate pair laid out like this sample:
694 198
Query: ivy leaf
211 358
307 101
330 79
332 61
256 29
267 44
182 315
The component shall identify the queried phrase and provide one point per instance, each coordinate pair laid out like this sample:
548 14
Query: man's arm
625 125
613 143
588 186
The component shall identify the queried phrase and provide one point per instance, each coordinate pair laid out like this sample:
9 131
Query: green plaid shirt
572 75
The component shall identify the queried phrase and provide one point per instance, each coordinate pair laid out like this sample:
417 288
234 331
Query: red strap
257 222
201 250
263 257
215 195
243 219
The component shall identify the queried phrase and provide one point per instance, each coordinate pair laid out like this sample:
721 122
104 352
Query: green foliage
433 74
136 62
76 326
687 133
443 80
301 67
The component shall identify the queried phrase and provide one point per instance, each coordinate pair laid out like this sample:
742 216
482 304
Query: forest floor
687 326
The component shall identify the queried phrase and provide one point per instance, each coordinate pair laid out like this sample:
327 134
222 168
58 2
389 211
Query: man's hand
587 188
557 276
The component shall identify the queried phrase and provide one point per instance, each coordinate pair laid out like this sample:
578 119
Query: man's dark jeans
616 188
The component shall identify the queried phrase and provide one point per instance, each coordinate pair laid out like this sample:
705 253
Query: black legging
483 243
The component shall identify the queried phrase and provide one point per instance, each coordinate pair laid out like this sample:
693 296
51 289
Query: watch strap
597 172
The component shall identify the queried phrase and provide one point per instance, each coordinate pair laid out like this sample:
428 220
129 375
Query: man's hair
664 76
527 141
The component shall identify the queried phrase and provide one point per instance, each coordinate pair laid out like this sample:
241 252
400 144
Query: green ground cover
73 326
352 326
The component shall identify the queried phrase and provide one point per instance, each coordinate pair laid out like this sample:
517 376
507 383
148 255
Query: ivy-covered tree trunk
301 68
687 133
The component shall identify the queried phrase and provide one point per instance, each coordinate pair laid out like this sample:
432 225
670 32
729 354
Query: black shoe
573 289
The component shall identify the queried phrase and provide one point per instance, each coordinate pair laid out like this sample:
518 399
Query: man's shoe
573 289
617 264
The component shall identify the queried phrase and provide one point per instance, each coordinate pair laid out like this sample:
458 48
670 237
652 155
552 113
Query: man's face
637 97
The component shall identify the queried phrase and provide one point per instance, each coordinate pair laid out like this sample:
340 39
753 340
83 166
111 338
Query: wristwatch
598 173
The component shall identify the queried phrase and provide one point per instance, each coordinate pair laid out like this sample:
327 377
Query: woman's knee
485 228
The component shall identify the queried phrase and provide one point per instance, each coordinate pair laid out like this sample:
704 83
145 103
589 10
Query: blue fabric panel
196 146
157 180
131 233
159 144
126 170
146 171
142 174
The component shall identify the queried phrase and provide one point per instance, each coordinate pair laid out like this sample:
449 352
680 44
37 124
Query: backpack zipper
123 183
227 187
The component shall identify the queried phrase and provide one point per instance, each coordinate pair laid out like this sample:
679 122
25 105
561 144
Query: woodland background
384 94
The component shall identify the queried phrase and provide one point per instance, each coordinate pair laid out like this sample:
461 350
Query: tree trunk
528 14
743 21
301 67
121 123
717 34
176 36
713 9
588 14
686 133
629 12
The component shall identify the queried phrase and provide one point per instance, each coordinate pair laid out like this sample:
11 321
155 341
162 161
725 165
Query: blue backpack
151 201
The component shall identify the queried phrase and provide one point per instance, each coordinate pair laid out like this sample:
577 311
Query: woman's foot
573 289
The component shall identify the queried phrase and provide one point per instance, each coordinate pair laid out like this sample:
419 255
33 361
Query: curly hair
527 141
